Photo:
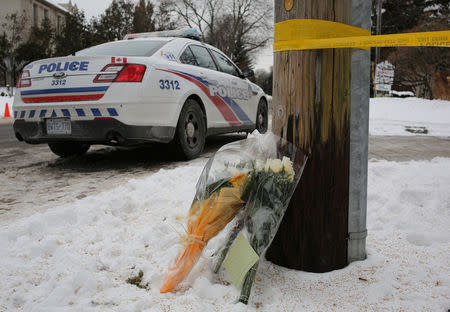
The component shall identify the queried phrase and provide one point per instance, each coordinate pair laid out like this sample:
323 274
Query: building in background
29 13
35 11
68 6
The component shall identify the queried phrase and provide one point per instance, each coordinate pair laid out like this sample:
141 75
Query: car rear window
124 48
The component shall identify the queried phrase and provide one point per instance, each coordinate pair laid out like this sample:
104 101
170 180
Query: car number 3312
169 84
58 82
165 87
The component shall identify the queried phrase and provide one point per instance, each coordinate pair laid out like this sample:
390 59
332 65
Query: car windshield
124 48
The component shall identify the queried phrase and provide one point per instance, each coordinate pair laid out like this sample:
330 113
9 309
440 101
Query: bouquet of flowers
250 181
270 186
210 212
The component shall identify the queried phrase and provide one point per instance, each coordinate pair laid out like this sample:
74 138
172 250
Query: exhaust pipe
115 138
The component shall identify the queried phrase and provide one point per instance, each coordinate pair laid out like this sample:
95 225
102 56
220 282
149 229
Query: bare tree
115 22
164 17
143 17
198 14
417 67
264 79
237 27
13 34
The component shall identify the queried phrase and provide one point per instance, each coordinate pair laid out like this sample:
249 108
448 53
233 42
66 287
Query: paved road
33 179
402 148
6 133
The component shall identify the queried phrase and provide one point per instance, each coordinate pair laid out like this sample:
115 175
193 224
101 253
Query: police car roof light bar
190 33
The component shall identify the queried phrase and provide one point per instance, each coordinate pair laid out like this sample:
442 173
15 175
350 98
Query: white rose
276 165
288 168
287 165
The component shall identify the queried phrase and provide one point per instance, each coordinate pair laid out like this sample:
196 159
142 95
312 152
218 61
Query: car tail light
131 73
110 73
24 80
121 73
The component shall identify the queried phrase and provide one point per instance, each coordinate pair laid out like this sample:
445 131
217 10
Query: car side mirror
248 73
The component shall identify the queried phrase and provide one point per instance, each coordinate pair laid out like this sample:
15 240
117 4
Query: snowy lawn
78 257
409 116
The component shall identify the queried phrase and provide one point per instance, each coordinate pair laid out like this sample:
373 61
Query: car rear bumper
101 131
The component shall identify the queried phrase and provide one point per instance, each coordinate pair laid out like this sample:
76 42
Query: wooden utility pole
320 100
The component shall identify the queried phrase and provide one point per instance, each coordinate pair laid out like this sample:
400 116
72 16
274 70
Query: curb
6 121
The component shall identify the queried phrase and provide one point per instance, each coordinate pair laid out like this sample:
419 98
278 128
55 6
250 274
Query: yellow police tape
306 34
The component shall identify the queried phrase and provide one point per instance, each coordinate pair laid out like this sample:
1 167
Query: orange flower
238 180
205 220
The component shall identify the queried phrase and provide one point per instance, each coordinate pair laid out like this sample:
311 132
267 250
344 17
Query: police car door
218 90
204 74
238 95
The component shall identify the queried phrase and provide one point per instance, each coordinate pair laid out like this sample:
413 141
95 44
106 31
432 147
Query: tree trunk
312 101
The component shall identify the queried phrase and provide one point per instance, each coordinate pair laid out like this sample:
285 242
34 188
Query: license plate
59 126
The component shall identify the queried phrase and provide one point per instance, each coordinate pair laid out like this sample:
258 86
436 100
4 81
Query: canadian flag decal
118 60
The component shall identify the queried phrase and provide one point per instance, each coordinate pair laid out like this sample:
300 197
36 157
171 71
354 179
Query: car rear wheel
67 149
262 116
191 130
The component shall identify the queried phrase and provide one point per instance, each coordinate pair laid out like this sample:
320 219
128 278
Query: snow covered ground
409 116
78 256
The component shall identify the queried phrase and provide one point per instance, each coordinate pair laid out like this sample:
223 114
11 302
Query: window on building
35 15
45 14
58 24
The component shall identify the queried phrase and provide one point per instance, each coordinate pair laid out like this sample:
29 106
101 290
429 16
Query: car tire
262 116
67 149
190 134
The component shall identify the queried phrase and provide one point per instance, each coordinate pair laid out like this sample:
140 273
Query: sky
93 8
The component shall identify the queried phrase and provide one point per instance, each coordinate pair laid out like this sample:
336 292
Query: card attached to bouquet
239 260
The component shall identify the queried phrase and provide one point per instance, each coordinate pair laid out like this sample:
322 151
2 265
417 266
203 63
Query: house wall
56 16
34 11
9 7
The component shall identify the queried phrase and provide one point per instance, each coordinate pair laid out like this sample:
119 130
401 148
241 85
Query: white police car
154 88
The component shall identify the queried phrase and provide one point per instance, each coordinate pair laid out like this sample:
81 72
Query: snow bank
392 116
78 257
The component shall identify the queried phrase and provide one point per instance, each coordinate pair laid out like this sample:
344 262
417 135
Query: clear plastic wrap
250 181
